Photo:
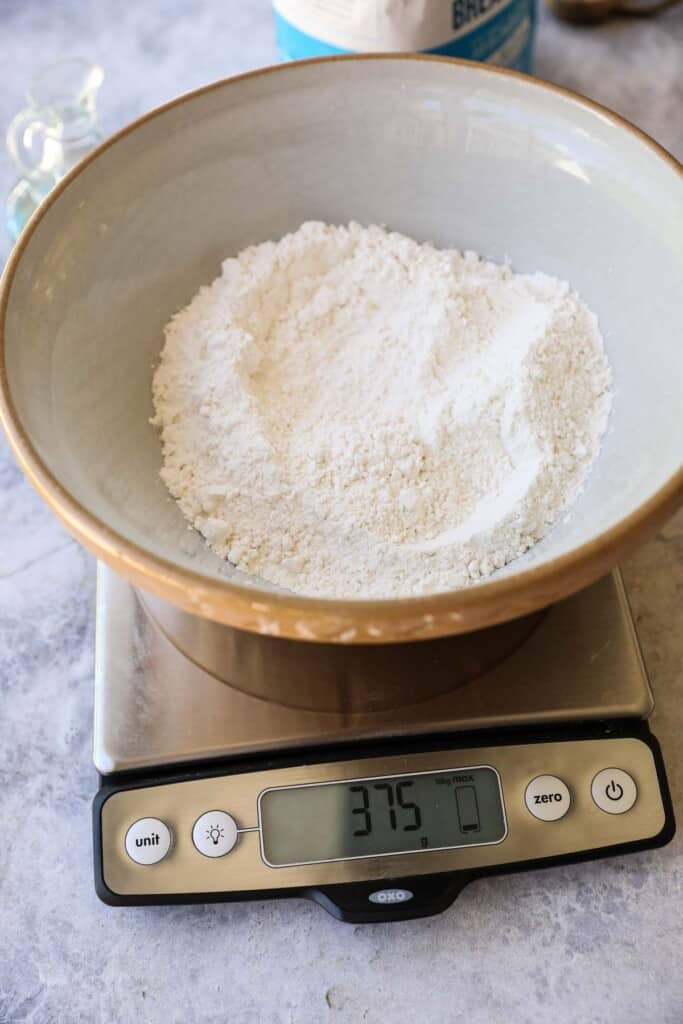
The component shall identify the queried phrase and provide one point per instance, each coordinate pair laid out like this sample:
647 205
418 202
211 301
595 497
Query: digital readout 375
380 816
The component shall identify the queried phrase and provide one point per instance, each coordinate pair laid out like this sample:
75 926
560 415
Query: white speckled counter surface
596 943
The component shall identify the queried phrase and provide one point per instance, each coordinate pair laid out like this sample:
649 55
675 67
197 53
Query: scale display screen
374 817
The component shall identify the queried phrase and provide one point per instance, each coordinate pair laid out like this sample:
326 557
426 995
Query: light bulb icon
214 833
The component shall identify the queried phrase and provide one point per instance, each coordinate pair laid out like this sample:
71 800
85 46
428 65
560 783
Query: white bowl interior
458 155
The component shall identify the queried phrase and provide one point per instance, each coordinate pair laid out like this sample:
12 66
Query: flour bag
496 31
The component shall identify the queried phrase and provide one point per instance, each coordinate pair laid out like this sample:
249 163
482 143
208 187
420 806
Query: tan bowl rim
285 614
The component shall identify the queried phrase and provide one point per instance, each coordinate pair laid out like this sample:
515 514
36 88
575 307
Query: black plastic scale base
392 895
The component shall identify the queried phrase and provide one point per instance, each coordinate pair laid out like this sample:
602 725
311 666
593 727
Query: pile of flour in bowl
350 414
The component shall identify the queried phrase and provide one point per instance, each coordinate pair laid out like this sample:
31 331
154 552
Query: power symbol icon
613 791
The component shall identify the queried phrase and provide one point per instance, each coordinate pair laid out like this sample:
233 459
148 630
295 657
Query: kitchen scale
379 813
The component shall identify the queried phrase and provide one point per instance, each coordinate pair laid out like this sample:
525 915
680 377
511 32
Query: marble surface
593 943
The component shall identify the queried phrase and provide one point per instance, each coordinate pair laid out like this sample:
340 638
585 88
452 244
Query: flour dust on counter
348 413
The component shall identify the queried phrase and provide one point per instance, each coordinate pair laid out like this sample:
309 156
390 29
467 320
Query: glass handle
33 142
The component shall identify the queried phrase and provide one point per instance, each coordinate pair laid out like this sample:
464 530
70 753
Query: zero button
547 798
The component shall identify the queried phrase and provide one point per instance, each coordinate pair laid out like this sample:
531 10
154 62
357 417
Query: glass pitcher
56 128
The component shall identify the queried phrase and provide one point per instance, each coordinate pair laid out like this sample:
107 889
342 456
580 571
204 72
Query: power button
614 791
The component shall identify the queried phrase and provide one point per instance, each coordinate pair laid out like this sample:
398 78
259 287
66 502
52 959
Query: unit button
614 791
214 833
148 840
547 798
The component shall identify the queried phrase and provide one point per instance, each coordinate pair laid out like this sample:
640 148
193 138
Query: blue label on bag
497 31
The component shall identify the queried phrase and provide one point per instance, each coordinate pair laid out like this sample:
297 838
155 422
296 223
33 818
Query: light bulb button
214 833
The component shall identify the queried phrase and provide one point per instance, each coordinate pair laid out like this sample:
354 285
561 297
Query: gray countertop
598 942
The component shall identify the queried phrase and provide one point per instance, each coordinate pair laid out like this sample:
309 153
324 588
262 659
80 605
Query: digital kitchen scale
209 793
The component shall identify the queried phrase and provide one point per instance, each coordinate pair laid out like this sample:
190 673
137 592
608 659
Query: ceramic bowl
459 154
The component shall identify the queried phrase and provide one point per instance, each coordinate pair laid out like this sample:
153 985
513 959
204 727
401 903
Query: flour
347 413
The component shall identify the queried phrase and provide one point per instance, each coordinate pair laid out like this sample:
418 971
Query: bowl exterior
30 377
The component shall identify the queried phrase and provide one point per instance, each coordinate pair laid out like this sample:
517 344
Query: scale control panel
378 838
